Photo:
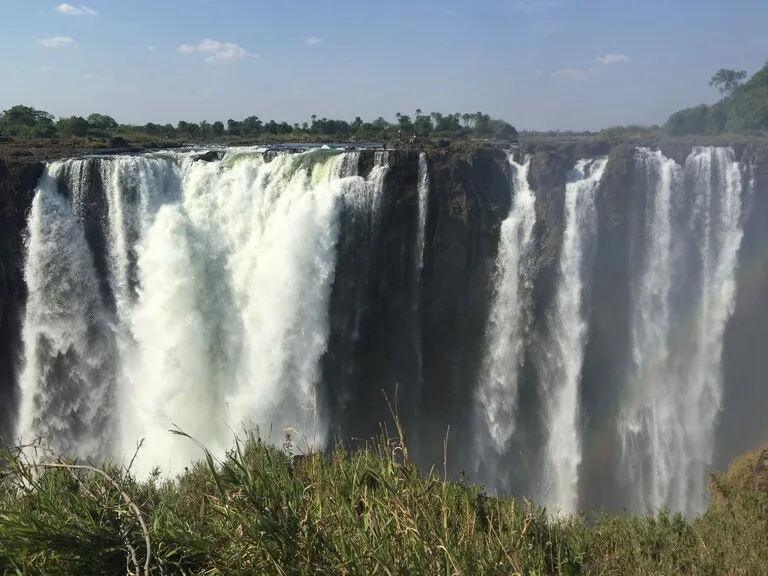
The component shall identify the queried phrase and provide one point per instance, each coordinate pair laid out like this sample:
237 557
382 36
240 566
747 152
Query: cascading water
686 293
498 387
651 323
165 291
360 218
221 275
561 369
68 381
423 204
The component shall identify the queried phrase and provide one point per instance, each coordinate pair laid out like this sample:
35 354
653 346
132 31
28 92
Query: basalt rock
210 156
17 184
416 339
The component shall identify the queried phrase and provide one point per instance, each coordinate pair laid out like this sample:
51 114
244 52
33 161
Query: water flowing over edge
220 275
423 205
496 395
561 370
140 330
680 311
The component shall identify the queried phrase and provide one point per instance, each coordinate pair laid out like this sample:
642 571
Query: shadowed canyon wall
412 328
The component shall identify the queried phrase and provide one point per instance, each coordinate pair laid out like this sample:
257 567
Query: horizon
580 70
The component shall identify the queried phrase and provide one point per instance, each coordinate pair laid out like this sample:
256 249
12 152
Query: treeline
742 110
25 122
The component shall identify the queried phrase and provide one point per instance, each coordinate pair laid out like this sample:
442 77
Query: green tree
423 125
217 128
689 121
25 116
252 126
188 129
503 130
743 110
27 122
73 126
102 122
750 110
234 128
482 123
726 81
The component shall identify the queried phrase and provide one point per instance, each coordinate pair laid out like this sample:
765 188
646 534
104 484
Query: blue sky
540 64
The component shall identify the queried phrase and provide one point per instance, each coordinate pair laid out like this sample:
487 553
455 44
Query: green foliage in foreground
262 511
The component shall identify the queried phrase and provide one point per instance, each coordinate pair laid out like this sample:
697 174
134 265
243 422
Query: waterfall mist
293 291
220 274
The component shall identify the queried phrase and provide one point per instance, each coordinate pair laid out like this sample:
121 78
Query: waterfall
498 387
67 382
220 274
165 291
651 324
686 293
416 298
561 369
423 199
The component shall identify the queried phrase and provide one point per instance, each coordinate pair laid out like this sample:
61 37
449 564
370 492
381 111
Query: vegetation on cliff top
24 122
742 110
263 510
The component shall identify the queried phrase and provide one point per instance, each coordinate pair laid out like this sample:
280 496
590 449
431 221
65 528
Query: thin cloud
314 40
532 7
576 74
57 42
539 73
151 48
70 10
217 51
609 59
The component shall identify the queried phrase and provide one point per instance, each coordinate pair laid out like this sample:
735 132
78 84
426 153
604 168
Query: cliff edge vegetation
25 123
263 509
742 110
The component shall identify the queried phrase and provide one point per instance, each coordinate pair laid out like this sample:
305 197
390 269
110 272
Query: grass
263 510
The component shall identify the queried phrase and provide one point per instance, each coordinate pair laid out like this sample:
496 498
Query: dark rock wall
408 344
418 341
17 184
469 199
620 200
744 419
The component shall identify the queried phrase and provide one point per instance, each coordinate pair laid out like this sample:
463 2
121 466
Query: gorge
583 321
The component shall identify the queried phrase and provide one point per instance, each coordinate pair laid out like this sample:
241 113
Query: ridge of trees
26 122
742 110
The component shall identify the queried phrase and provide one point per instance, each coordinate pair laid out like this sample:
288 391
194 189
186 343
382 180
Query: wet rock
210 156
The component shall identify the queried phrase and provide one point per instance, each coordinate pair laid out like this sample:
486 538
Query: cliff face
417 337
623 201
743 423
17 184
